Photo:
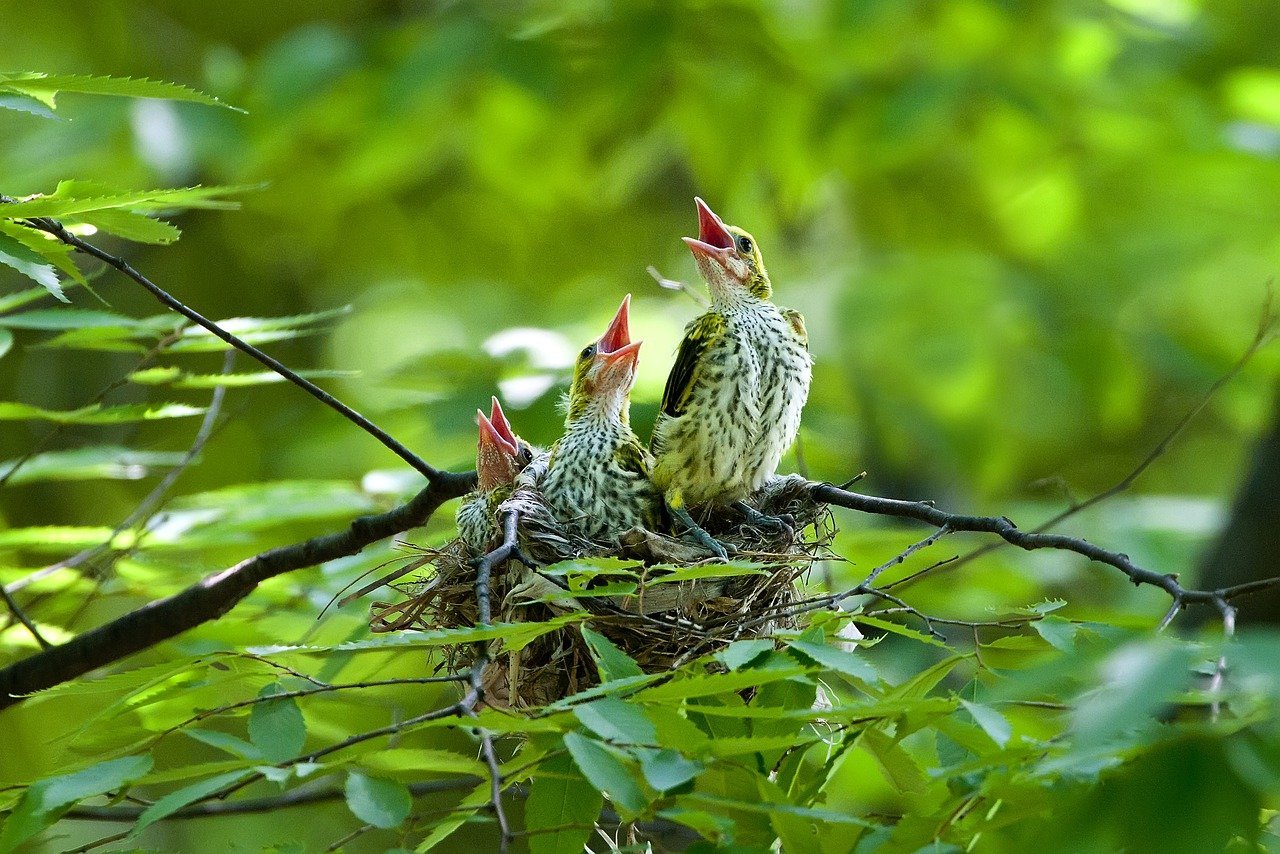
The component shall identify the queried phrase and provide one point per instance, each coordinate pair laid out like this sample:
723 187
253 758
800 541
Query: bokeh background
1027 238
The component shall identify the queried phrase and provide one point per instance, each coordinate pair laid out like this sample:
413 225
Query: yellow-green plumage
733 399
597 476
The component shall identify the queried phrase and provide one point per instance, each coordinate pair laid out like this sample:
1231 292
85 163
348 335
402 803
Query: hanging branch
56 229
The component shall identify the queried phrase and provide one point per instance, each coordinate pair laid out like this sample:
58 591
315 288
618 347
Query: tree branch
215 595
1002 526
56 228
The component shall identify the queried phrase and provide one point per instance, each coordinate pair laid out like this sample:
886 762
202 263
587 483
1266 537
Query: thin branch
57 230
1001 525
21 617
293 798
146 358
215 595
674 285
1262 335
152 500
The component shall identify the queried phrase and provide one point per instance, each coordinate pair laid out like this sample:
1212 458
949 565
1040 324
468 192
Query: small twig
106 840
153 499
146 358
1029 540
56 228
673 285
21 617
294 798
1263 334
1220 667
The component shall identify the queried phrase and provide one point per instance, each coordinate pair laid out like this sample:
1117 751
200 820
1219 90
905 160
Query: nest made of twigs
659 621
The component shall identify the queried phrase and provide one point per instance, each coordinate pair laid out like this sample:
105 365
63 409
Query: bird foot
765 522
702 538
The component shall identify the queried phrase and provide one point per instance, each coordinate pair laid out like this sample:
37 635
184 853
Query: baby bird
597 475
732 402
500 456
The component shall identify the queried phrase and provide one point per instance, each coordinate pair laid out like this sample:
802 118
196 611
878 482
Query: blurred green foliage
1026 236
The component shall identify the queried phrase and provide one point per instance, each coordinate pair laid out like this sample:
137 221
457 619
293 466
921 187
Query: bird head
728 259
605 370
500 454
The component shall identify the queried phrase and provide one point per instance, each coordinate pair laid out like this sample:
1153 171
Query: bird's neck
587 411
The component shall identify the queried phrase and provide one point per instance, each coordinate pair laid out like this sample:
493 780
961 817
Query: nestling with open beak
732 402
597 477
500 456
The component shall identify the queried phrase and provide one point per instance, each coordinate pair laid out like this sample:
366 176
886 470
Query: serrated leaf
100 462
276 727
667 769
612 662
45 800
422 760
377 800
604 768
839 660
451 821
97 414
52 250
709 570
616 720
1060 633
176 800
30 264
898 765
992 722
225 741
65 201
897 629
177 378
561 798
741 653
26 104
45 87
50 319
133 225
685 686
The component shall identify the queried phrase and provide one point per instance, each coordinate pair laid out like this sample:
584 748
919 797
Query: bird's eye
744 245
587 352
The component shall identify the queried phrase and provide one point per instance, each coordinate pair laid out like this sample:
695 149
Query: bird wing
697 336
796 319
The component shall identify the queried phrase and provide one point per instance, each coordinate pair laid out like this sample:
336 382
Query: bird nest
659 599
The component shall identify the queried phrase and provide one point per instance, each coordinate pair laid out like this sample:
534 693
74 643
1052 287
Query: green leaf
225 741
685 685
65 318
617 721
422 760
898 765
992 722
45 800
612 662
561 808
733 569
178 378
602 766
378 801
133 225
100 462
741 653
67 202
17 299
97 413
1060 633
30 264
176 800
444 828
667 769
45 88
6 341
51 250
55 537
276 727
839 660
897 629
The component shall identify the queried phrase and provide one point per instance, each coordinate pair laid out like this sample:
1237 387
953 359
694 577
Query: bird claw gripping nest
660 623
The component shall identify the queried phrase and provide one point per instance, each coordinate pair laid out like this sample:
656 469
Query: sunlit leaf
45 800
561 808
377 801
276 727
98 414
44 87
